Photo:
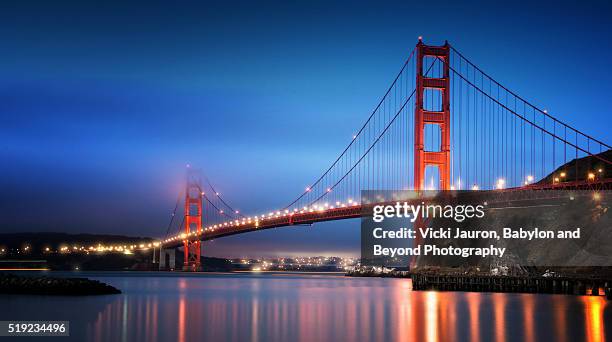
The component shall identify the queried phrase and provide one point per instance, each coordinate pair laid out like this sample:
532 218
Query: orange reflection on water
448 316
181 319
351 320
499 311
560 319
379 318
473 300
431 316
405 322
528 319
593 315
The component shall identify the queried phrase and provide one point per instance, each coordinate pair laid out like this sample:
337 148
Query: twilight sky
102 105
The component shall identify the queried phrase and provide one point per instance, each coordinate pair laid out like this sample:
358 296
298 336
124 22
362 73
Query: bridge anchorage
494 140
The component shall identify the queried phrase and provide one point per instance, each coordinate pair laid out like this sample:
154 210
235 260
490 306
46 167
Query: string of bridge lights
264 217
98 248
108 248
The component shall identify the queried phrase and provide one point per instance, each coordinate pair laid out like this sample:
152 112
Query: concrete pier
170 254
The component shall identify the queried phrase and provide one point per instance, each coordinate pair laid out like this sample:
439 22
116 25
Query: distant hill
40 240
14 243
582 166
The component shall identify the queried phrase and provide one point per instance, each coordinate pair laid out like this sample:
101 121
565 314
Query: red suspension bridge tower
193 221
428 116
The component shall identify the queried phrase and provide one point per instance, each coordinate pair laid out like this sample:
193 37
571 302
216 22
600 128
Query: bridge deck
284 219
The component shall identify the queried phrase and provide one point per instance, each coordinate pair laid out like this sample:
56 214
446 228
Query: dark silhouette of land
43 250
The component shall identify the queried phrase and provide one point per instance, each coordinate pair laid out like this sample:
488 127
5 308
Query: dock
519 284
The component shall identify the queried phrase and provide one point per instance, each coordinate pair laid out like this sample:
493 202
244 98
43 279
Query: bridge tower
193 221
428 116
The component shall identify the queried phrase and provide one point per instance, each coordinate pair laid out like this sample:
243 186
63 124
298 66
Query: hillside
578 169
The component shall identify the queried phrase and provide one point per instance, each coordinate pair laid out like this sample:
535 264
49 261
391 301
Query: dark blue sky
102 105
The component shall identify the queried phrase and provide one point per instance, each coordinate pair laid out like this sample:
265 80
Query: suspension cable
173 215
527 102
553 135
221 198
358 133
375 141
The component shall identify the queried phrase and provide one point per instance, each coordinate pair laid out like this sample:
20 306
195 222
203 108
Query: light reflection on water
275 307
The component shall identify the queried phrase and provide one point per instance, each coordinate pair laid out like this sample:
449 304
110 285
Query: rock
13 284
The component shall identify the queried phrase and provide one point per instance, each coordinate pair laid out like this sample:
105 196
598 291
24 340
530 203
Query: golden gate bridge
442 124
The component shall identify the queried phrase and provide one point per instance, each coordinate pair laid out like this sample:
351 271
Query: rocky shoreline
14 284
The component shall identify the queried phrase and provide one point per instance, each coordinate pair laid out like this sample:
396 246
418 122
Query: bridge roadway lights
171 252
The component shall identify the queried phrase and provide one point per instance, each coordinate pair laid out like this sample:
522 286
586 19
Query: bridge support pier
192 254
171 253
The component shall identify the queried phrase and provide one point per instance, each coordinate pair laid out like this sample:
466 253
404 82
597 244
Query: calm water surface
290 307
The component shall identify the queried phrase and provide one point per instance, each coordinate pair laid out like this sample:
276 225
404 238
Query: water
294 307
